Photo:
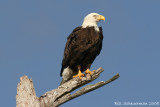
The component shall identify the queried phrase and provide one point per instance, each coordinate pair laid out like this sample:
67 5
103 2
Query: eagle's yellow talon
88 72
80 75
93 70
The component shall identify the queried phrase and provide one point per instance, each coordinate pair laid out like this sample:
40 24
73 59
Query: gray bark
26 96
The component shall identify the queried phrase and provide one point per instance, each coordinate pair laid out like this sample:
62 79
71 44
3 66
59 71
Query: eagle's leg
80 74
88 71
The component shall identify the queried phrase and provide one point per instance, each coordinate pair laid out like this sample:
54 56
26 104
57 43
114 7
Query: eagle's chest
93 40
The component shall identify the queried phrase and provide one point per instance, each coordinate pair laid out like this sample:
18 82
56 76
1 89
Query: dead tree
26 95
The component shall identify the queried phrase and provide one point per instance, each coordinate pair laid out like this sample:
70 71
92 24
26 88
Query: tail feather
66 74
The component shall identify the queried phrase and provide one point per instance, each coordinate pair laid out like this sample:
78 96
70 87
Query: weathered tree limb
26 96
84 90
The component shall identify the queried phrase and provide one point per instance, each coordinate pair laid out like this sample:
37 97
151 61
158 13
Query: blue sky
33 36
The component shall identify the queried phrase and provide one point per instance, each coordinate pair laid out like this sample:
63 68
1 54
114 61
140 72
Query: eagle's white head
91 20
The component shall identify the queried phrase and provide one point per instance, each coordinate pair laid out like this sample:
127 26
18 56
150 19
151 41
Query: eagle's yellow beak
100 17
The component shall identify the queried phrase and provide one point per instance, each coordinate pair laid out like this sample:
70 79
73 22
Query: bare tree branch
26 95
59 95
84 90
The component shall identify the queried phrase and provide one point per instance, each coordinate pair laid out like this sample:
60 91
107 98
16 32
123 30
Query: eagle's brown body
82 47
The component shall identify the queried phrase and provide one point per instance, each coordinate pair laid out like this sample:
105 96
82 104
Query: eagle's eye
95 16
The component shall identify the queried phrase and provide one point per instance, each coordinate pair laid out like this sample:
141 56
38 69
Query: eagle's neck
90 24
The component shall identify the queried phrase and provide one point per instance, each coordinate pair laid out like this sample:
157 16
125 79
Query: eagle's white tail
67 74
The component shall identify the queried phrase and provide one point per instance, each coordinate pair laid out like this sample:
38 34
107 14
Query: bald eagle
82 47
